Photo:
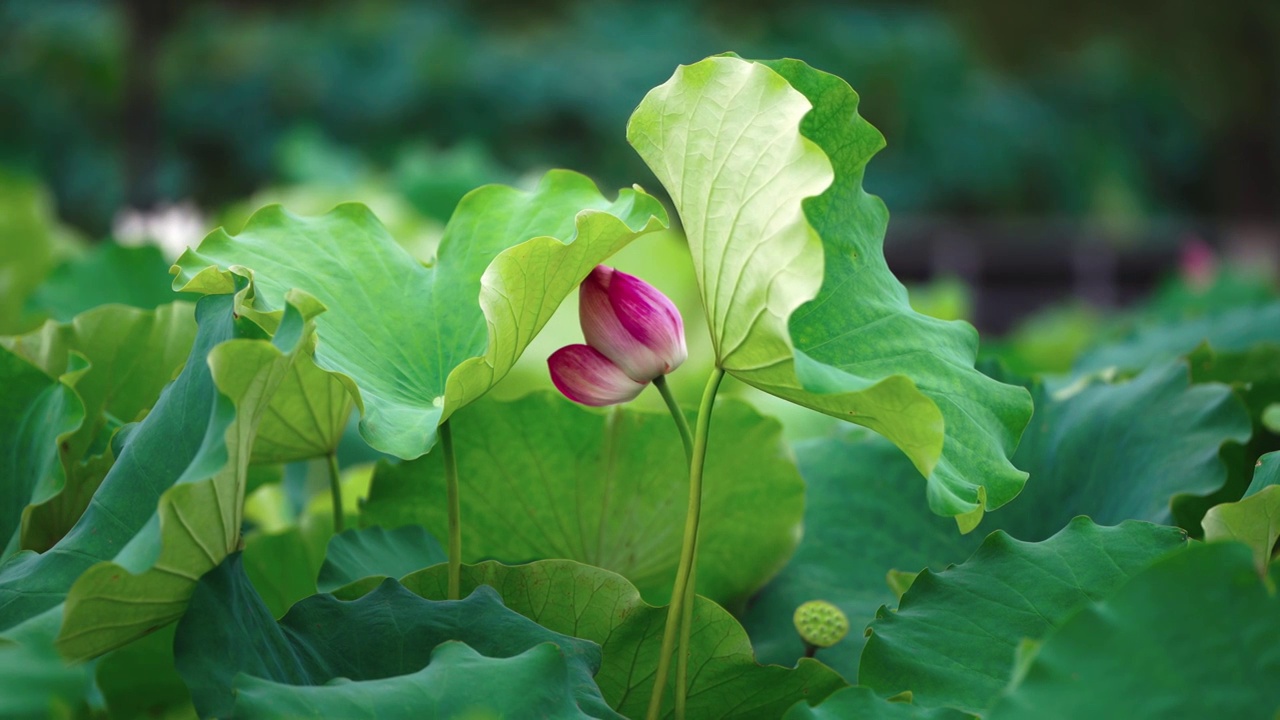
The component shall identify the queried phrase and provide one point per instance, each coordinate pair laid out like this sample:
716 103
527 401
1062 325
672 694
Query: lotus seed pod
820 623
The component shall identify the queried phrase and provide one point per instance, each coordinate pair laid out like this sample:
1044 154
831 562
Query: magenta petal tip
584 375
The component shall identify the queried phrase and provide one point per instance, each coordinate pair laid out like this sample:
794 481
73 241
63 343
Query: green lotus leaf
37 412
864 517
1123 451
306 417
1193 636
546 478
764 162
139 681
131 355
375 552
171 506
239 662
574 599
31 243
417 343
282 567
864 704
1113 452
107 274
35 684
1158 341
953 638
1255 519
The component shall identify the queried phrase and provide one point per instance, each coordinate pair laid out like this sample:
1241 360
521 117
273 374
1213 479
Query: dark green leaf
238 661
375 552
953 638
590 603
1194 636
865 515
862 703
1122 451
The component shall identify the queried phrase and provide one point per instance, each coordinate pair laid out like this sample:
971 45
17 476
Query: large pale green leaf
107 274
764 163
1255 519
953 638
597 605
239 662
862 703
171 506
131 355
545 478
416 342
1122 451
864 515
36 411
377 552
1194 636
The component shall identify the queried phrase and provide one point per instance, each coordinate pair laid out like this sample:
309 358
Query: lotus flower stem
682 424
686 622
683 588
335 491
455 512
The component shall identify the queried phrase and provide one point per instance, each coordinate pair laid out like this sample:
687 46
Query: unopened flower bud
586 376
631 323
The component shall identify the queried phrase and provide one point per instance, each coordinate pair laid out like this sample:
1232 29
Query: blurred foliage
983 116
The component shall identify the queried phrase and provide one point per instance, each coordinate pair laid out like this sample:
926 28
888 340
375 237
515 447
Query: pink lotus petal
631 323
586 376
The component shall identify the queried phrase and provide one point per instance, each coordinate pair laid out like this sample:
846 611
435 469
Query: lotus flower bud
586 376
631 323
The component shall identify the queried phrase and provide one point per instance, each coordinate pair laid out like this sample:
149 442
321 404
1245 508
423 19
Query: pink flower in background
1198 263
634 334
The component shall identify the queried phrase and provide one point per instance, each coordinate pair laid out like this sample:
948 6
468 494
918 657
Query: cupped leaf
549 479
107 274
416 342
953 638
764 163
1255 519
863 518
597 605
171 506
239 662
862 703
306 417
131 355
36 411
1123 451
376 552
1194 636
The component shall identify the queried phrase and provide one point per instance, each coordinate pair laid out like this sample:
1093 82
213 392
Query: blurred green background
1037 155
